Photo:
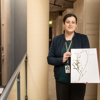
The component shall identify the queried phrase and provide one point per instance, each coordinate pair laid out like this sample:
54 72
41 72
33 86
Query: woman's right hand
66 55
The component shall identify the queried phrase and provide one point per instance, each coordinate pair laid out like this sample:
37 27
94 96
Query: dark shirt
64 77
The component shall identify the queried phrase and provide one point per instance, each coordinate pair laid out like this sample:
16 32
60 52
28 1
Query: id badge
67 68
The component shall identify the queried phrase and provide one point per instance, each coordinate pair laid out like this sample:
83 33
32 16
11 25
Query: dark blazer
55 58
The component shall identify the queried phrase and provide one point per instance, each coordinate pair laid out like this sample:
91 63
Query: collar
73 39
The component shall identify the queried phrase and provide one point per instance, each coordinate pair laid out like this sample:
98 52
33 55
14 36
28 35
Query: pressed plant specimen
78 65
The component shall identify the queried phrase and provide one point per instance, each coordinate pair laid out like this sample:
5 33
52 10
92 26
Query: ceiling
60 5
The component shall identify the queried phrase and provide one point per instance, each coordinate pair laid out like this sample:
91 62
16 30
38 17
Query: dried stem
78 65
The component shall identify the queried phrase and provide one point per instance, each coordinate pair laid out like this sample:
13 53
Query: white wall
37 48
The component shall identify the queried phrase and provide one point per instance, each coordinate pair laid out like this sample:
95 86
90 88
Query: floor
52 89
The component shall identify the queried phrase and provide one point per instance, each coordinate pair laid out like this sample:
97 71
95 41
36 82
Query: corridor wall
87 12
53 29
5 40
58 25
18 32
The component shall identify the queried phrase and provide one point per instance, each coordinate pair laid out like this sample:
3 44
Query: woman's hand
87 83
66 55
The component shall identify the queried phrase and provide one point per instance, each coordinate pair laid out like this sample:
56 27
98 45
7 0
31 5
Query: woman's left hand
86 83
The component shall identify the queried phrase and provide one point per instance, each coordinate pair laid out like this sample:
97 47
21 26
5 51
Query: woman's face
70 24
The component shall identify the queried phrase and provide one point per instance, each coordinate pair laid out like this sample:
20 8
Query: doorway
50 36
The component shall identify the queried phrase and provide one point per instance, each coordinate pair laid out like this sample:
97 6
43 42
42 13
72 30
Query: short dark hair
69 15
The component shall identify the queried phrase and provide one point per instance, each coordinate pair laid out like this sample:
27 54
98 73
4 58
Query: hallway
25 33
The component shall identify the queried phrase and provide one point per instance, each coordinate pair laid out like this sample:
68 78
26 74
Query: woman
59 56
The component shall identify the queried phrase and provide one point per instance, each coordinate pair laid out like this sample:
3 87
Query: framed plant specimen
84 66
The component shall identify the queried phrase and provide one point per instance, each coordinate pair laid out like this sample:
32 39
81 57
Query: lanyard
67 49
